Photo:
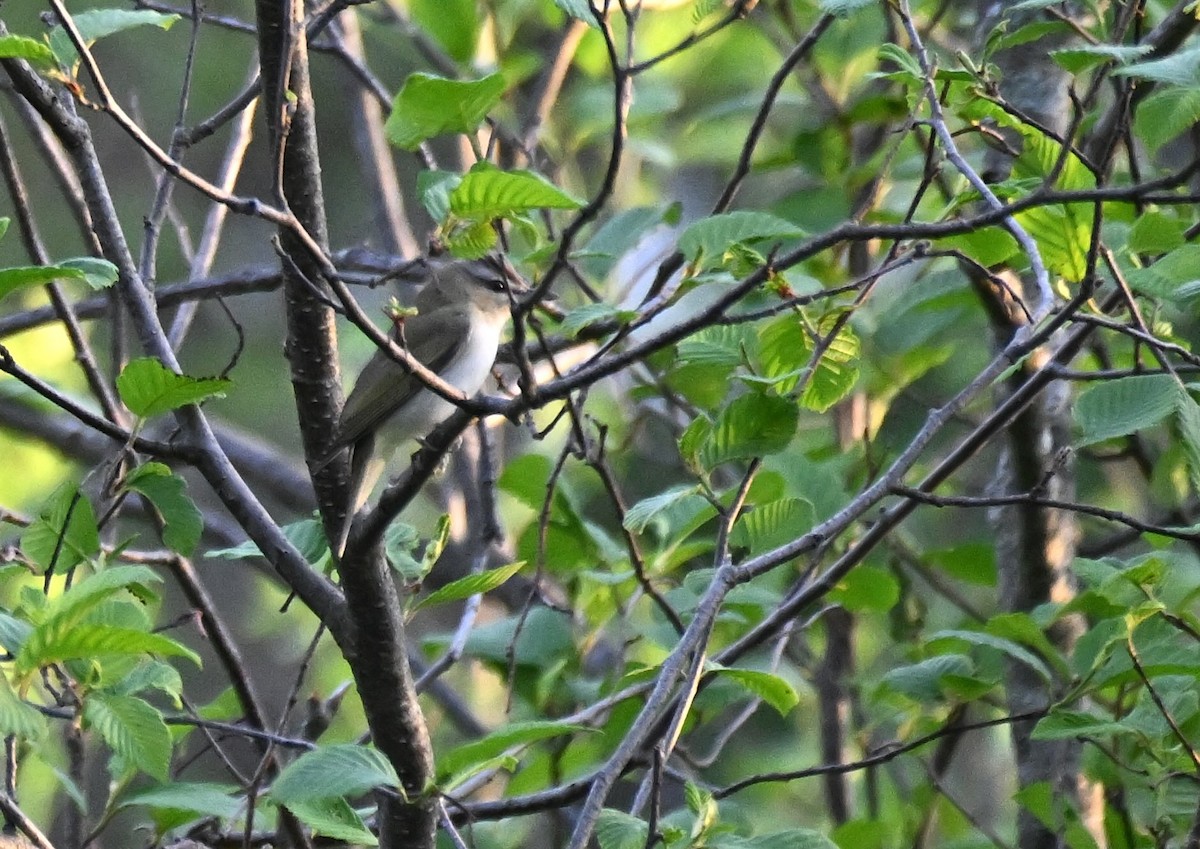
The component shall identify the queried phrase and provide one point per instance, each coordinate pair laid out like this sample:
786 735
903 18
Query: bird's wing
384 384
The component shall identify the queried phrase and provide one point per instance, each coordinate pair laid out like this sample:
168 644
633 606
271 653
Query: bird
460 314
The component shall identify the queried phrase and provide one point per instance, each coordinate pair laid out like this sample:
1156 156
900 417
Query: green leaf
61 640
461 759
1124 406
331 772
31 50
433 188
429 106
95 24
65 533
580 10
787 348
753 425
201 798
455 24
768 526
12 279
1178 69
988 246
308 535
182 520
844 8
1187 417
486 192
1156 232
582 317
652 509
1172 277
87 594
16 717
132 729
97 273
149 388
923 681
618 830
793 838
1166 114
482 582
867 588
1076 59
334 818
709 240
1069 724
767 686
1013 650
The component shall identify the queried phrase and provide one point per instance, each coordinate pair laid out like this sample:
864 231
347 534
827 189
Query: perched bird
461 312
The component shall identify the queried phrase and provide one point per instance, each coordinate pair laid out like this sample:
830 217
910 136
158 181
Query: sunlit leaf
132 729
149 388
429 106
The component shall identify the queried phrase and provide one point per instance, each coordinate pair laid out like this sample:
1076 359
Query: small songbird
461 312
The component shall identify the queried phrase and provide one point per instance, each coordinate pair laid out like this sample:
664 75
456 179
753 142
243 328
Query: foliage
859 438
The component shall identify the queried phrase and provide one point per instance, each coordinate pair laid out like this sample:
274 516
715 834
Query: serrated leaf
334 818
710 239
786 350
1169 278
429 106
1166 114
87 594
770 525
618 830
133 729
482 582
213 800
29 49
60 640
1124 406
149 388
511 736
95 24
472 240
753 425
1181 68
639 516
333 771
65 533
767 686
16 717
714 346
182 520
486 192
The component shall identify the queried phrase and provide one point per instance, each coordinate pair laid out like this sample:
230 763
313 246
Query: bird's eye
496 284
